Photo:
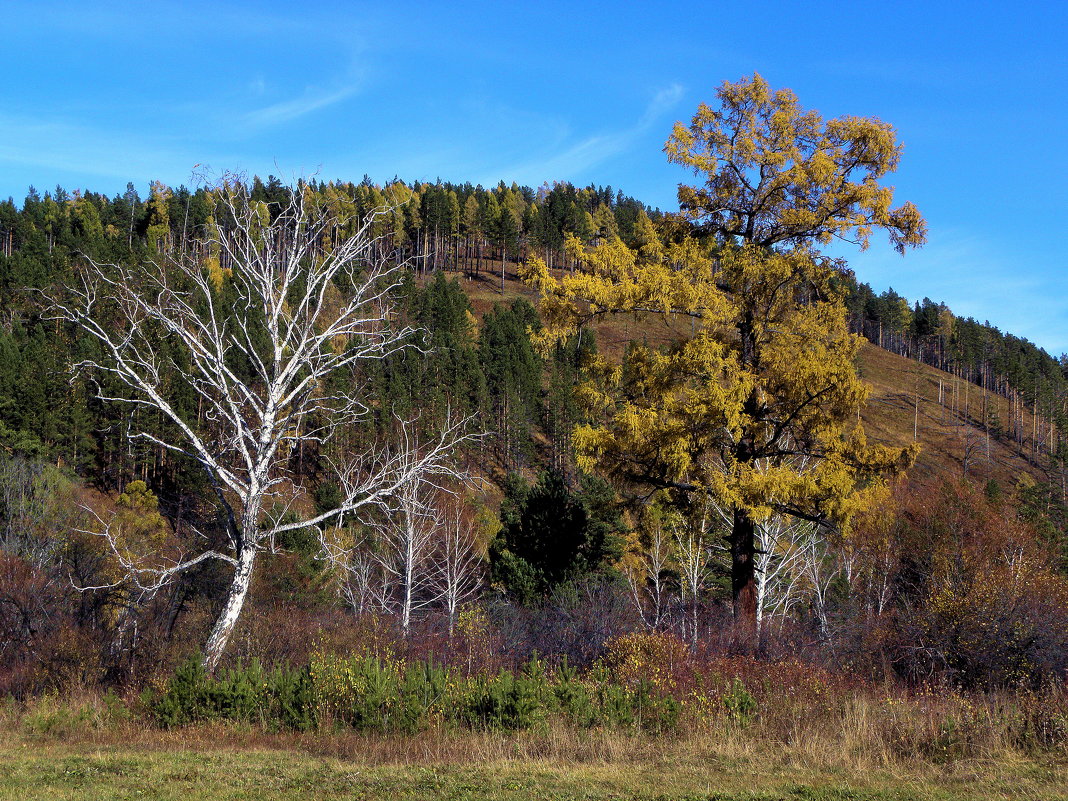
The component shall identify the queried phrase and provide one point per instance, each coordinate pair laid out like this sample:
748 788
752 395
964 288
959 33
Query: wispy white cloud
64 150
288 110
664 100
593 150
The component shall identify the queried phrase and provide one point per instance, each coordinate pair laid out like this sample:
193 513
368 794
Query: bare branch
266 309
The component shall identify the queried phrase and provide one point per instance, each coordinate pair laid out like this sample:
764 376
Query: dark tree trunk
743 532
743 575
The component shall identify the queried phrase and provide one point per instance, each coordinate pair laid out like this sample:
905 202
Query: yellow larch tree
776 174
753 403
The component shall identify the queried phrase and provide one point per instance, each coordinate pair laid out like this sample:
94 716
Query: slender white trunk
692 557
235 598
761 597
408 577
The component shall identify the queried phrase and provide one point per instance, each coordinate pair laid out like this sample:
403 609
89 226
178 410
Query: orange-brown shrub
41 647
980 604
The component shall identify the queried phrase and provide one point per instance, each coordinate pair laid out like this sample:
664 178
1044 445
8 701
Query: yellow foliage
159 227
471 324
141 525
756 408
216 274
776 173
654 657
139 531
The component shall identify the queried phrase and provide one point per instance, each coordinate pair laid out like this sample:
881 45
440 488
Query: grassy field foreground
228 762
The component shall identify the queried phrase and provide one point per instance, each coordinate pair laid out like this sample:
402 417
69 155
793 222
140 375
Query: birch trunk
235 601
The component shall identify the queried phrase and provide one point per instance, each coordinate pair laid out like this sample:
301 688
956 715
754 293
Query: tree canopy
776 174
753 402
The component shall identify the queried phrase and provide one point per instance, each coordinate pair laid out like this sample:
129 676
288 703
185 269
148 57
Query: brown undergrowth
732 709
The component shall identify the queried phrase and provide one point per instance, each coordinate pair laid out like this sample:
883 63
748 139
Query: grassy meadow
862 746
226 763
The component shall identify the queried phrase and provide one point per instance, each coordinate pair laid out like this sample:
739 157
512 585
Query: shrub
740 704
49 716
506 701
984 607
369 693
655 657
282 697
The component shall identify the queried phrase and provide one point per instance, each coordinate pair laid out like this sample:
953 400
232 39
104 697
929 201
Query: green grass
250 766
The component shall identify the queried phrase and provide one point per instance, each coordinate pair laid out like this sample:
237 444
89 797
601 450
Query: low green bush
369 693
740 704
280 698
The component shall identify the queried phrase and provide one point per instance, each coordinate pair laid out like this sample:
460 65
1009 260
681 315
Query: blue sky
98 94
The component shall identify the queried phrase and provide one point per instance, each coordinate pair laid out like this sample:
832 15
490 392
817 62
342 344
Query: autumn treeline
979 355
940 583
438 226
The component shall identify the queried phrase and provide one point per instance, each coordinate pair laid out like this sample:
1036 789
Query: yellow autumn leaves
776 173
751 401
755 406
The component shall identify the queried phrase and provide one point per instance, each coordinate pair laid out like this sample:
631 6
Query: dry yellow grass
227 762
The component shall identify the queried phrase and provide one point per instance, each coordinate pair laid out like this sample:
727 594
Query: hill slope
905 403
910 401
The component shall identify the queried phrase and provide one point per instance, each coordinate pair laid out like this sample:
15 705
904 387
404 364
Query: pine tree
551 534
513 377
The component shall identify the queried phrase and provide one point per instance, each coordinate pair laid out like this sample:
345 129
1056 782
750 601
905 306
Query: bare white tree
693 554
458 567
405 557
798 563
792 557
422 553
273 310
782 548
645 569
820 566
869 566
363 584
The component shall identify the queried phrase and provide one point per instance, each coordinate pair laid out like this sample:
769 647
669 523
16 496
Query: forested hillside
1031 380
477 425
461 231
429 227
